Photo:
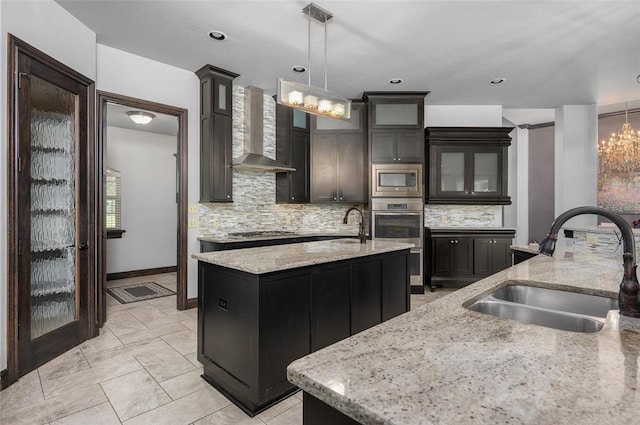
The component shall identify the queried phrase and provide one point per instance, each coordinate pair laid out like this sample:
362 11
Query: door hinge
19 331
20 76
19 247
19 164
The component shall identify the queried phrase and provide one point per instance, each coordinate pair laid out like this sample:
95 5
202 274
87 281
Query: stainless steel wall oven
401 220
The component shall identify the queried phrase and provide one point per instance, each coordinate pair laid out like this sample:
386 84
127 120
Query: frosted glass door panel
485 178
452 172
396 114
53 214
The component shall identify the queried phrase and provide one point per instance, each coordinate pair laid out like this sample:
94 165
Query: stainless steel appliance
396 180
401 220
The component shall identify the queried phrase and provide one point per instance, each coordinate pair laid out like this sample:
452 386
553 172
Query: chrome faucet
628 296
361 234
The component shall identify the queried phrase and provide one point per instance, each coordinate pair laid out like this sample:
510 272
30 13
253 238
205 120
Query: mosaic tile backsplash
254 193
254 206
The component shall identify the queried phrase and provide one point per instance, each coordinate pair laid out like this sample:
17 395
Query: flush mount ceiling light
141 117
305 97
395 81
497 81
217 35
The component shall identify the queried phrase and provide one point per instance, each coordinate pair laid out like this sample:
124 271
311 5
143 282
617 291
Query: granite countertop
225 238
445 364
269 259
471 229
531 248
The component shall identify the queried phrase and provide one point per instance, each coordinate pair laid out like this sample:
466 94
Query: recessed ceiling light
298 68
395 81
217 35
497 81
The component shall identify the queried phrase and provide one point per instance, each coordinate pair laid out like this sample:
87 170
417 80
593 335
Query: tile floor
142 369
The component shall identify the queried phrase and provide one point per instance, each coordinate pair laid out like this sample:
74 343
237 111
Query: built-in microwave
396 180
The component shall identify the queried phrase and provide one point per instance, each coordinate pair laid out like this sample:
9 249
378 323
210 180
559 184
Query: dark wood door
324 165
395 291
443 257
463 256
54 260
351 169
483 256
221 150
299 179
409 146
383 147
501 254
330 307
366 295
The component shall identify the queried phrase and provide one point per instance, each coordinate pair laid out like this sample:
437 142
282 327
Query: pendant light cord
309 45
325 54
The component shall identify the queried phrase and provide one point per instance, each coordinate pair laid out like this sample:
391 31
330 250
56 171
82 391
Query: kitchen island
445 364
261 308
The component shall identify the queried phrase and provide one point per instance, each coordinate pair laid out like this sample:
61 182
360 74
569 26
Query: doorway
51 237
106 101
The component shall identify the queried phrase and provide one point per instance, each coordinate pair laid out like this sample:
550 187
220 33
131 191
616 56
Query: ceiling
551 53
161 123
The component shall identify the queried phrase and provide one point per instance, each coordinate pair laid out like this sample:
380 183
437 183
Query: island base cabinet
316 412
251 327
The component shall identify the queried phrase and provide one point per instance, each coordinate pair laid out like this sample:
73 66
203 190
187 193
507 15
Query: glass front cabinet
468 165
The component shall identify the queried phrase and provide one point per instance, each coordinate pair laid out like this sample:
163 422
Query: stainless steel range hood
253 158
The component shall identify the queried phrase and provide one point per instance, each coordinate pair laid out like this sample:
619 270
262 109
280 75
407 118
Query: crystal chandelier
314 100
621 153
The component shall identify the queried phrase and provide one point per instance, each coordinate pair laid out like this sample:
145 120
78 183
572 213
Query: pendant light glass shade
305 97
313 100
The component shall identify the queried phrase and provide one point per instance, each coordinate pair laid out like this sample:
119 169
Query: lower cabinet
459 257
250 327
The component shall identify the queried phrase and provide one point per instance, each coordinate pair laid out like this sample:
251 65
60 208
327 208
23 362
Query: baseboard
144 272
4 374
192 303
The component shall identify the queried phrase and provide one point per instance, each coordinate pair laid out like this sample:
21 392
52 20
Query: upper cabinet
396 122
216 115
339 158
468 165
292 148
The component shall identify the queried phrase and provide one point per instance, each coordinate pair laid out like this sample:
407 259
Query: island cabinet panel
284 331
366 295
330 306
251 327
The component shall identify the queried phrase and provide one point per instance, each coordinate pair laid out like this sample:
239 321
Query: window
113 214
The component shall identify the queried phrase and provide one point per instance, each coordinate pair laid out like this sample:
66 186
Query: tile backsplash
254 193
463 216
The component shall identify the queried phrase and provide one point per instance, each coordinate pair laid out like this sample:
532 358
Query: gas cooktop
259 233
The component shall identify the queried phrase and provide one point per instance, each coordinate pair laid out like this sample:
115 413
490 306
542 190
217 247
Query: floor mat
139 292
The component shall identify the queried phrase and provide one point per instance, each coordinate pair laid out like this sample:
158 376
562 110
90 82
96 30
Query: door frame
181 196
16 47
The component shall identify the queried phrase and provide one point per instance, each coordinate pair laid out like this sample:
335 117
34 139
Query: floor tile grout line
116 377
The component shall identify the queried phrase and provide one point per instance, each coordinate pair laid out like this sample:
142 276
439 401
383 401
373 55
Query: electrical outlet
444 219
592 239
193 222
287 219
216 223
193 209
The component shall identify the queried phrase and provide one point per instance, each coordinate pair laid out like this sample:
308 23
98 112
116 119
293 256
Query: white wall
463 116
148 190
48 27
576 160
123 73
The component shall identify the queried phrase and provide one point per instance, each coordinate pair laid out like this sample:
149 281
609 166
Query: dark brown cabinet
468 165
292 148
491 255
338 158
250 327
458 257
396 126
216 114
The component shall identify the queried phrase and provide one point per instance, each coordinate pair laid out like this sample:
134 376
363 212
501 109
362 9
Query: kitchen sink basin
547 307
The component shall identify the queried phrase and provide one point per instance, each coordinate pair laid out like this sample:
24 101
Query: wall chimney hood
253 158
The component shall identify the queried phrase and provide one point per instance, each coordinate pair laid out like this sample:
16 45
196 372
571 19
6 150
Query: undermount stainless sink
552 308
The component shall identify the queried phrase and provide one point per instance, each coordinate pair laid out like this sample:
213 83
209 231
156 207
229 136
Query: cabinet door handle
457 241
341 198
228 196
292 198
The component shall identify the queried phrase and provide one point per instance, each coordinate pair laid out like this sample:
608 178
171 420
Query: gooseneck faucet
361 234
629 294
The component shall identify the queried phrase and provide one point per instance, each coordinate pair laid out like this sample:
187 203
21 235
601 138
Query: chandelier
314 100
621 153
